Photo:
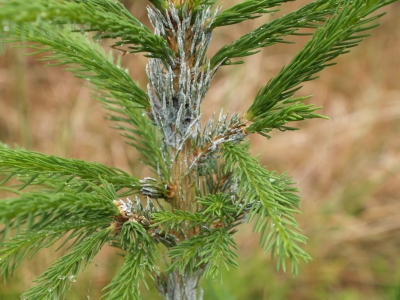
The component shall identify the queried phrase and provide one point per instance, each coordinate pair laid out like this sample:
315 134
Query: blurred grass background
347 169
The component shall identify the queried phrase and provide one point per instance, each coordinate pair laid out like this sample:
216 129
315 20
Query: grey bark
176 286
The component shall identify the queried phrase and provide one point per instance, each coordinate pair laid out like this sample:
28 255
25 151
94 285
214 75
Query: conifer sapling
204 184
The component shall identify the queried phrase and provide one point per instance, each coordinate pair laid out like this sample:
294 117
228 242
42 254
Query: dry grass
348 168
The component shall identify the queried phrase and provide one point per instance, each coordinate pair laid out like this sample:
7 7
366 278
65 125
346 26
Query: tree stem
176 286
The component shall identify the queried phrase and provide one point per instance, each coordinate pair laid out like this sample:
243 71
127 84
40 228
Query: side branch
108 18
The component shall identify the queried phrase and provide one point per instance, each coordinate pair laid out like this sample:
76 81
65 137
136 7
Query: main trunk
176 89
177 286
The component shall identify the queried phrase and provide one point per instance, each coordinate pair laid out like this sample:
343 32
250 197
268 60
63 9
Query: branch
35 211
176 220
209 249
218 207
246 10
13 251
108 18
185 255
217 250
86 60
339 34
139 261
272 203
140 132
58 278
119 93
283 112
312 15
42 168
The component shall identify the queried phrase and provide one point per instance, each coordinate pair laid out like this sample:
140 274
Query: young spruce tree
205 183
